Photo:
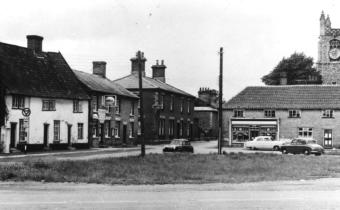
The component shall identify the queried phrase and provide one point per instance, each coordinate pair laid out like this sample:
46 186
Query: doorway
69 131
178 130
124 134
253 134
13 134
46 126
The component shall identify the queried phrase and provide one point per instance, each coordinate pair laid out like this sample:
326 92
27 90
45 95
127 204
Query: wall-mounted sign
26 112
101 115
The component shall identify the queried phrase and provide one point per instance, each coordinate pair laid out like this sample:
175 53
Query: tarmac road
317 194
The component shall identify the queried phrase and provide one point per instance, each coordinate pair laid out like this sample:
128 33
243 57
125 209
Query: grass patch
175 168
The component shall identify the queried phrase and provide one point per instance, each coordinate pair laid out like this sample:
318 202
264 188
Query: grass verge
175 169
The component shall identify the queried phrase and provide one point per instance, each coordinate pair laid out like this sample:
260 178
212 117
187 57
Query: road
317 194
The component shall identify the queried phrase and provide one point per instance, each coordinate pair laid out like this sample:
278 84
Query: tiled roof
131 82
46 74
100 84
287 97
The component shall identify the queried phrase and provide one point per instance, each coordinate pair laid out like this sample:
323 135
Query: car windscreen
311 142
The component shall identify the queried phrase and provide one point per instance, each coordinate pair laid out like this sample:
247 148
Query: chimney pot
158 71
162 62
34 42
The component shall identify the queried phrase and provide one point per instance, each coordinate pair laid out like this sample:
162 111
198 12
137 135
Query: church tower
328 63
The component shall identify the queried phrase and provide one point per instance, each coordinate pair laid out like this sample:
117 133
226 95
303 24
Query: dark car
178 145
302 146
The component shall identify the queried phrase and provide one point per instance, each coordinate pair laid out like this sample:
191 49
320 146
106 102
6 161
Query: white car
265 143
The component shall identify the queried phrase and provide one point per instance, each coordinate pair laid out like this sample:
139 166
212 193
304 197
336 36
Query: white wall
64 113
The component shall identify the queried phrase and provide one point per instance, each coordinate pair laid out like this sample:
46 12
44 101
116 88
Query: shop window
240 134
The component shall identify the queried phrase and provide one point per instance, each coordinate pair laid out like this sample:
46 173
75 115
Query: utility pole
141 112
220 122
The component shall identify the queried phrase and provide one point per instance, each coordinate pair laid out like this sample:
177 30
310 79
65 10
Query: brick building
121 119
284 112
328 63
206 114
168 110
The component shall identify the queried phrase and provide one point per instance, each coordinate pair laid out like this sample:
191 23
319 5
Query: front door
328 138
69 129
13 134
46 135
124 134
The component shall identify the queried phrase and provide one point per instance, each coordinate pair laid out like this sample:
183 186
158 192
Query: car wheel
306 152
284 151
276 148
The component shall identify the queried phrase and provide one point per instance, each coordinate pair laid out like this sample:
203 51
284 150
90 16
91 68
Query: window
306 132
188 106
132 111
77 106
118 106
132 128
106 129
48 105
328 138
171 127
181 127
182 104
22 130
56 130
117 129
161 127
94 130
18 102
294 113
139 128
94 103
80 130
327 113
238 113
172 102
161 101
269 113
188 129
110 105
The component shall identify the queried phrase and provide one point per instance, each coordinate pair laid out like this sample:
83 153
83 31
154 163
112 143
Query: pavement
282 195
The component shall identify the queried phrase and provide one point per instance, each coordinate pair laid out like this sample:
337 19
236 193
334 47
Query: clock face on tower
334 54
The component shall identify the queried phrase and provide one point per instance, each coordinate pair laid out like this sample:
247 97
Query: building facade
47 107
121 120
168 111
284 112
328 63
206 114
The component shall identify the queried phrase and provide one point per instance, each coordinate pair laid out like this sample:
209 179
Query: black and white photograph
169 104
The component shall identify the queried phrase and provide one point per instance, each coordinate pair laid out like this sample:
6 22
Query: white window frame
18 102
77 106
270 113
49 105
238 113
328 113
56 130
294 113
80 131
305 132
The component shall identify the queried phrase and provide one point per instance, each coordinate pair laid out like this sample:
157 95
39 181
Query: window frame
18 102
51 105
327 113
292 115
305 132
80 129
269 113
238 113
56 130
77 106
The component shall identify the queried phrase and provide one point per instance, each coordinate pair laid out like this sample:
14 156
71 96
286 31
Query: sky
186 34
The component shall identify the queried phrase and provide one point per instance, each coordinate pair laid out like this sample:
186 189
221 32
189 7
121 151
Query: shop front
243 130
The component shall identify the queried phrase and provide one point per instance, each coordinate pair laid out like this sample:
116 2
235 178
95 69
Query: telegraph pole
141 112
220 122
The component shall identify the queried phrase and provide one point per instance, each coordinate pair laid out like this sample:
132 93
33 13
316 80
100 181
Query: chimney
134 64
283 78
99 68
158 71
208 95
34 43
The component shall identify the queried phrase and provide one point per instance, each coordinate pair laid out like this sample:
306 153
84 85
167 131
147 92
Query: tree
297 69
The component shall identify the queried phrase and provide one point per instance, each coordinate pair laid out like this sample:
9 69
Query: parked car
264 142
179 145
302 146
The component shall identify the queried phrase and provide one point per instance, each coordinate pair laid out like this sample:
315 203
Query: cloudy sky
187 34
